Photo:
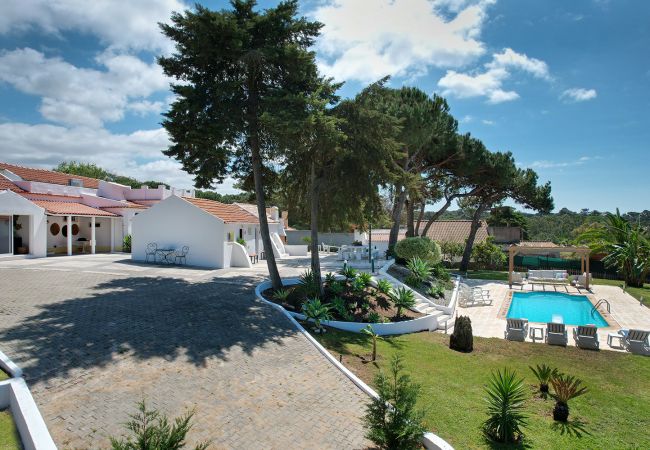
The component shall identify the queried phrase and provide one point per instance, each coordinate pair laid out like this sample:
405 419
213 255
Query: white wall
174 223
14 204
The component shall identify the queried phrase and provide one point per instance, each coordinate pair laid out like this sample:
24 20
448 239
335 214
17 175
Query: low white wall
296 250
239 255
8 366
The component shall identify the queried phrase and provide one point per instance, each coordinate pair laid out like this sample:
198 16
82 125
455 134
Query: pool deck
489 321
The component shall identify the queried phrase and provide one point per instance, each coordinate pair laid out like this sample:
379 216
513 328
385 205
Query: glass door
6 235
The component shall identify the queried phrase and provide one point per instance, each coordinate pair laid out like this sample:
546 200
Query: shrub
392 420
358 285
365 277
315 310
436 291
565 388
544 375
357 243
308 284
374 317
505 398
487 255
341 307
336 288
418 247
450 250
126 243
281 295
330 278
440 273
420 269
348 272
461 339
241 241
374 336
412 281
151 430
384 286
402 298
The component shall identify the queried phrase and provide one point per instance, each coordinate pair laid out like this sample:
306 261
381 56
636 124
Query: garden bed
402 273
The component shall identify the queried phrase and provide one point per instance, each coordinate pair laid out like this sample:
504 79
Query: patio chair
152 249
556 334
586 336
182 255
516 329
636 341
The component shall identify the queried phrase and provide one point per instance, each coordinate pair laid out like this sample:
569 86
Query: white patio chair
556 334
586 336
516 329
636 341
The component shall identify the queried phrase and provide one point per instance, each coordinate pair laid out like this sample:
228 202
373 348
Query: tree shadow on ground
573 428
144 317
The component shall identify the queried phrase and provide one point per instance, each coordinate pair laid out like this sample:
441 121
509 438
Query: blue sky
563 85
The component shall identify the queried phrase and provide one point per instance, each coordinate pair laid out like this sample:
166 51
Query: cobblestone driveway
93 344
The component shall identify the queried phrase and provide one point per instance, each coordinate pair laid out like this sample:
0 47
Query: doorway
6 235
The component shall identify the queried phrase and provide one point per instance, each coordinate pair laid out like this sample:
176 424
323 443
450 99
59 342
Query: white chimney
275 214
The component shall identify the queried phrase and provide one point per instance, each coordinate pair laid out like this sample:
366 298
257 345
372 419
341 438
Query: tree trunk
410 218
476 221
436 215
315 257
396 218
420 217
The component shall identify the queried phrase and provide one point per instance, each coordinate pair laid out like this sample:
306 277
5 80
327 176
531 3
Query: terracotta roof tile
537 244
126 204
71 208
227 213
6 184
49 176
456 231
249 207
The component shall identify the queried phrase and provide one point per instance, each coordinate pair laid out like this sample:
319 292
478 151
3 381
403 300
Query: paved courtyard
96 334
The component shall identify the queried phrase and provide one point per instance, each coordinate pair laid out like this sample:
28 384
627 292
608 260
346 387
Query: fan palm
565 388
371 332
505 399
544 375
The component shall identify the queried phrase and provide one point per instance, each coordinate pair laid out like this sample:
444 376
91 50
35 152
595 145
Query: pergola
514 249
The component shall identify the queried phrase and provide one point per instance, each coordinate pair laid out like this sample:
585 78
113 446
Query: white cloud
122 25
548 164
371 39
489 82
82 96
578 95
466 119
488 122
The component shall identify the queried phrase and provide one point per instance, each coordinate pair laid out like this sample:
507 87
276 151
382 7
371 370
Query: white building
218 235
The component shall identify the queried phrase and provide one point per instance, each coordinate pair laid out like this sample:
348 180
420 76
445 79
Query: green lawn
615 413
3 375
9 439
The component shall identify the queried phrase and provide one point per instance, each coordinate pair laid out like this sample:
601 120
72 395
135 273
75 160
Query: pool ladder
600 302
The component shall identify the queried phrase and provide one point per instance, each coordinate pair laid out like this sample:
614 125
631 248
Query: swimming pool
546 306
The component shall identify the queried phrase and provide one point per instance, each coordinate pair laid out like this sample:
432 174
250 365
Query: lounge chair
556 334
517 278
636 341
516 329
581 280
586 336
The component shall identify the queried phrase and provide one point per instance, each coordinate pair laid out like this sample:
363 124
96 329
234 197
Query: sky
562 85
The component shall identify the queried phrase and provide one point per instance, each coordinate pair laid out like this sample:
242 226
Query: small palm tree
371 332
505 399
565 388
384 286
402 298
544 375
315 310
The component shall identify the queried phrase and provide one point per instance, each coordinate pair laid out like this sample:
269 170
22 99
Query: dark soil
401 272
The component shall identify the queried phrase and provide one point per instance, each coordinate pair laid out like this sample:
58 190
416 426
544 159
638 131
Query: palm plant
281 295
330 278
371 332
341 307
384 286
365 277
565 388
358 285
420 269
505 399
309 284
315 310
627 247
544 375
374 317
336 288
402 298
436 291
348 272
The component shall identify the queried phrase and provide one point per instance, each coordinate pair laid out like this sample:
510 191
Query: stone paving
95 335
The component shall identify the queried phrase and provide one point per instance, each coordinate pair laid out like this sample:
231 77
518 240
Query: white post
92 235
68 220
112 234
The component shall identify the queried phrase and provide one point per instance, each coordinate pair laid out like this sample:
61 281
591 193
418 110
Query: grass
3 375
9 439
638 293
615 413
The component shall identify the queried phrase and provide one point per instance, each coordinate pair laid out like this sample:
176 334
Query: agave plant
365 277
281 295
420 269
348 272
316 311
384 286
505 399
436 291
308 283
330 278
374 317
402 298
565 388
341 307
336 288
544 375
358 285
371 332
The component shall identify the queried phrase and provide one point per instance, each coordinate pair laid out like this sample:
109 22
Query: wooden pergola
514 249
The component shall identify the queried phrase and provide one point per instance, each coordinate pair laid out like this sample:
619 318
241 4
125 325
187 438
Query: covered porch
582 252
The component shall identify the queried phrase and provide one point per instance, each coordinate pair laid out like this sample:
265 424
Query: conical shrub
461 339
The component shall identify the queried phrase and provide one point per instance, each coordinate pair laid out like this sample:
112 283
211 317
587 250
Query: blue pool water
545 306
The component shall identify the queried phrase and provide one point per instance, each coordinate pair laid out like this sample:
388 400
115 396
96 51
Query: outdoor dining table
166 255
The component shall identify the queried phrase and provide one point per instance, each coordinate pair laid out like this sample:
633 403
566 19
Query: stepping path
92 344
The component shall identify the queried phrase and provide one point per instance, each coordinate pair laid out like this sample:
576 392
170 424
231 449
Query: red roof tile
6 184
49 176
71 208
441 231
126 204
227 213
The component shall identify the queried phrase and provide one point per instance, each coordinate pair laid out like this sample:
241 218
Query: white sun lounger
586 336
516 329
556 334
636 341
